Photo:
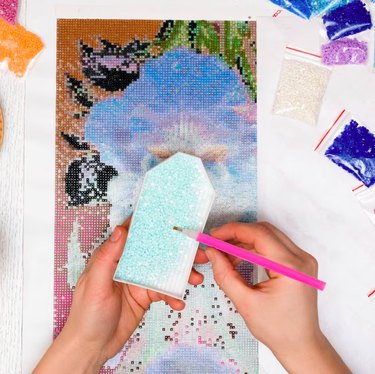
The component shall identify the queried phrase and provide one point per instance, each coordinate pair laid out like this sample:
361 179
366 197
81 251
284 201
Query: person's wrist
315 355
84 357
297 350
68 354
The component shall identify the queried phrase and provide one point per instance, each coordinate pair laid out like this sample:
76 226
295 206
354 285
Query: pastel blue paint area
299 7
180 116
348 19
177 192
179 84
195 360
354 151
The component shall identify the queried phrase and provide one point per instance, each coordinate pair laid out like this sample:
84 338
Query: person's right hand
280 312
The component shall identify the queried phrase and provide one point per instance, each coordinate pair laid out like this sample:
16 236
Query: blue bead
346 20
299 7
354 151
322 6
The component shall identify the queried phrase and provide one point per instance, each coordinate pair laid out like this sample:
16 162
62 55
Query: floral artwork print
130 94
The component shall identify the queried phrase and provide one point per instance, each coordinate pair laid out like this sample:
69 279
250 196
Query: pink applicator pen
231 249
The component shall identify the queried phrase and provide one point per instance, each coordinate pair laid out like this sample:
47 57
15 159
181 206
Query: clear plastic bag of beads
366 198
345 51
309 8
349 143
349 18
301 8
302 84
319 7
351 49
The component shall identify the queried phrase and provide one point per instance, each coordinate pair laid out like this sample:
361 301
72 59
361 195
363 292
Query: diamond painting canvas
130 94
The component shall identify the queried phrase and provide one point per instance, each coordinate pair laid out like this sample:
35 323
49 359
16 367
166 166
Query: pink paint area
9 10
90 226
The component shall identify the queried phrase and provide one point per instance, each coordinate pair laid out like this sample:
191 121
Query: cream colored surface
302 193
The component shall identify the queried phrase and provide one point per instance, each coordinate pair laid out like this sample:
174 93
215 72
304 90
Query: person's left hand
104 313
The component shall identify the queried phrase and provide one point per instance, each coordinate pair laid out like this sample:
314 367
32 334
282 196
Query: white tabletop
299 191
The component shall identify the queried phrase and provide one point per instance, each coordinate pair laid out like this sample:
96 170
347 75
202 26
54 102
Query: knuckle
263 228
235 225
294 263
219 278
265 224
309 264
234 228
100 254
313 263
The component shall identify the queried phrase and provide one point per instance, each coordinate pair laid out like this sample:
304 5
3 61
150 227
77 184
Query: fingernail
213 230
116 235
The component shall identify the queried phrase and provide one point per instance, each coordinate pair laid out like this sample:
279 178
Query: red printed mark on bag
329 130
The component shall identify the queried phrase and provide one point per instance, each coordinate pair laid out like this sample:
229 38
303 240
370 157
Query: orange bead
18 47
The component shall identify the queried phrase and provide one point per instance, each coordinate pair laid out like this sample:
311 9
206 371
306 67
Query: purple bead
346 20
344 52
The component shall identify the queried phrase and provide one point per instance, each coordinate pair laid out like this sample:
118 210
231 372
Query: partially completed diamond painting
130 94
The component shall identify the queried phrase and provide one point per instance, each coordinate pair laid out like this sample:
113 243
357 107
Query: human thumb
228 278
105 258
